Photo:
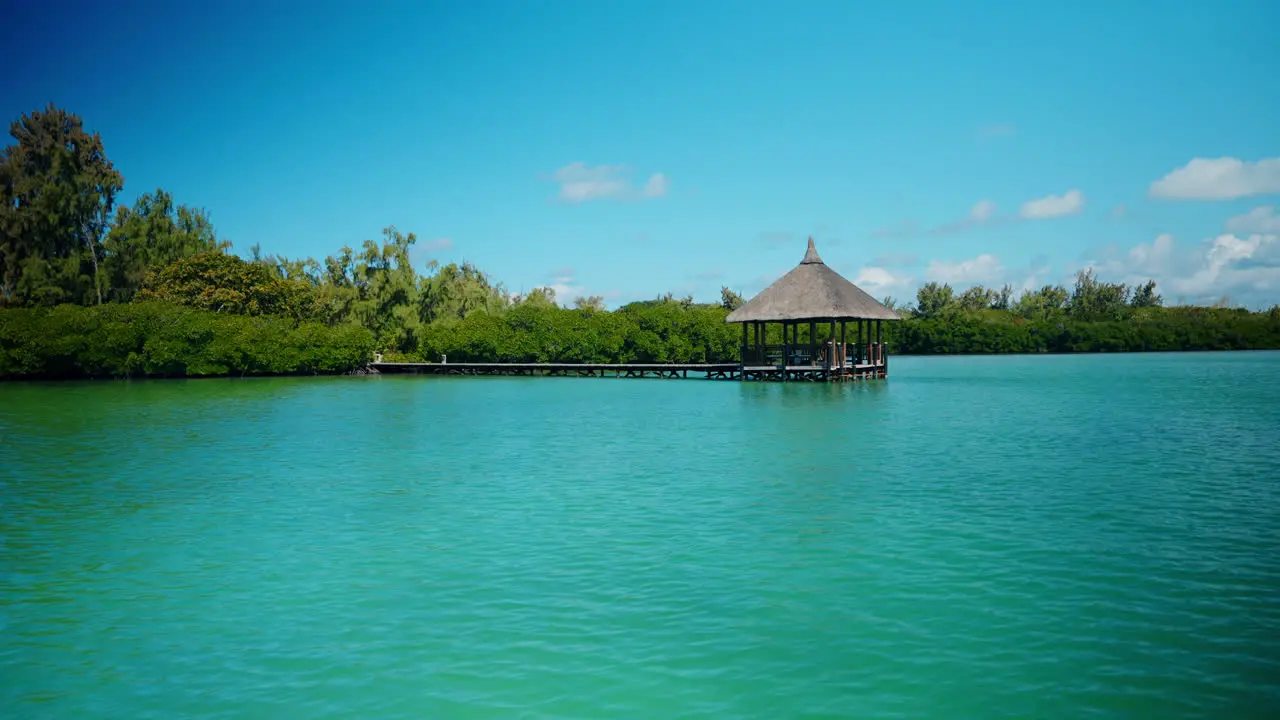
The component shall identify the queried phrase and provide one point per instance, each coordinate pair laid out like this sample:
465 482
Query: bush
153 339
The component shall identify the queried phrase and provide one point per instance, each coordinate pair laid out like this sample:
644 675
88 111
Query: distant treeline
165 340
88 289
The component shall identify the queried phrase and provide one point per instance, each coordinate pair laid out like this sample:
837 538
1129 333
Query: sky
628 149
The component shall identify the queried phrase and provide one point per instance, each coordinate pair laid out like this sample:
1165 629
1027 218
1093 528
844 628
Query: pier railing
821 355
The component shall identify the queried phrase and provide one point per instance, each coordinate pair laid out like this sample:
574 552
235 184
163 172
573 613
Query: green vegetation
165 340
91 290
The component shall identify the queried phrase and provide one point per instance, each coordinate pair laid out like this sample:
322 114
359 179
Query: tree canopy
57 190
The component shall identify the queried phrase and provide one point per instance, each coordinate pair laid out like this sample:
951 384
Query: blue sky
632 148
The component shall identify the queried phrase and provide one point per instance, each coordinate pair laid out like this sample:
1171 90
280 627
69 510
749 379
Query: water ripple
979 537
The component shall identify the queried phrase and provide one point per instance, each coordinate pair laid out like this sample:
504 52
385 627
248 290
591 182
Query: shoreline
369 371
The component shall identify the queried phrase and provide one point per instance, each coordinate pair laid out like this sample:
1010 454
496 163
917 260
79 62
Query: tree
1042 304
153 234
1094 299
933 299
1003 299
729 299
225 283
1145 296
976 298
594 302
455 291
57 190
537 297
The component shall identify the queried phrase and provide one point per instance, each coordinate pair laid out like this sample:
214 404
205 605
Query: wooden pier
710 371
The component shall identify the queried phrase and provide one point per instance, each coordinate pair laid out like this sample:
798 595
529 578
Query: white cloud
879 281
1261 219
982 211
1233 266
438 244
1246 269
580 182
1030 280
984 269
1052 206
656 186
566 292
1154 259
1224 178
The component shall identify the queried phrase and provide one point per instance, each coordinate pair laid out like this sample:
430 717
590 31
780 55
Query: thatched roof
811 291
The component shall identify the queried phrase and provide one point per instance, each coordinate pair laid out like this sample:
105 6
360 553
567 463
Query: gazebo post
831 358
879 345
844 345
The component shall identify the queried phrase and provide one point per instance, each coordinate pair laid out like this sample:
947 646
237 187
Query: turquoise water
976 537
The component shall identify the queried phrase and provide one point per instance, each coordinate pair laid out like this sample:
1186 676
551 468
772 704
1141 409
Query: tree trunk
97 284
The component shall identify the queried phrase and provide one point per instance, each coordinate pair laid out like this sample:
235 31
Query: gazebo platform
812 373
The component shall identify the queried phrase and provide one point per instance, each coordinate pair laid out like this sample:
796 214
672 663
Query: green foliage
225 283
1043 304
378 288
456 291
976 298
537 332
154 234
657 331
934 300
1140 330
1093 299
1145 296
593 302
1002 299
164 340
730 300
57 188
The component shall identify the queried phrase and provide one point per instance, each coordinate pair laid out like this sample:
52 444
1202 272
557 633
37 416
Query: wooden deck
814 373
709 371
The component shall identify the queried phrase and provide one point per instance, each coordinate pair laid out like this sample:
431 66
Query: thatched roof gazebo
810 294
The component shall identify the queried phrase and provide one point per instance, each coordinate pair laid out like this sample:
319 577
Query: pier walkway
709 371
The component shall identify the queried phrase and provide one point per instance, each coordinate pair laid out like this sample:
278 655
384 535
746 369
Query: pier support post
879 345
831 358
